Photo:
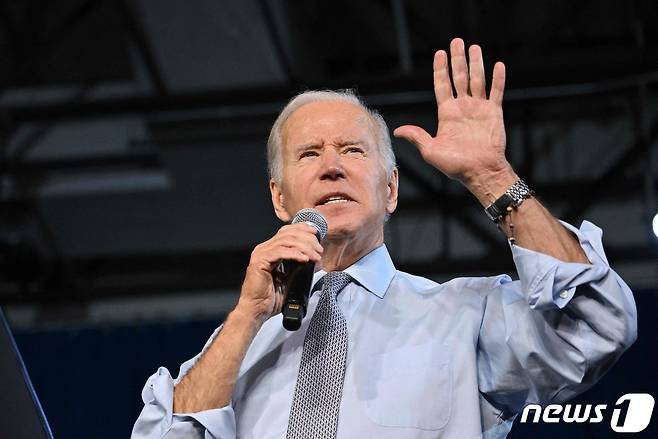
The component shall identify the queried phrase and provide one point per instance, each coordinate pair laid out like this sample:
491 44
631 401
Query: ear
392 192
278 201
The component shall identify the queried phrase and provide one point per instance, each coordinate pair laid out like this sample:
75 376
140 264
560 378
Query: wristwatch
513 197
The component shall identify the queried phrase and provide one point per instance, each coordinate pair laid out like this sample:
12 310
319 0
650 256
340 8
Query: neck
340 253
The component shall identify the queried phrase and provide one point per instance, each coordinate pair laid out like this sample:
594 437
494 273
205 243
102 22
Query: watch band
513 197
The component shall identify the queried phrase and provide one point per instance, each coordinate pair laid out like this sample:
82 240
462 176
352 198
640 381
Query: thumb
413 134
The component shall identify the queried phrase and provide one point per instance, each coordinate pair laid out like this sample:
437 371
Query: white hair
274 160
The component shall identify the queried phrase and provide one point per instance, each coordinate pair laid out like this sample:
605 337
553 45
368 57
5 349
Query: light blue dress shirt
429 360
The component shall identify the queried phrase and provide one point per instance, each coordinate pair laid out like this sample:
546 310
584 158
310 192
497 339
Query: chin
339 214
345 221
340 230
337 209
348 227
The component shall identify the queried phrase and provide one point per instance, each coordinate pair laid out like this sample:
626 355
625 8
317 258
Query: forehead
327 120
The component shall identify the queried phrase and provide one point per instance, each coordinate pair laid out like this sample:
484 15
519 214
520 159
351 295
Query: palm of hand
470 135
470 139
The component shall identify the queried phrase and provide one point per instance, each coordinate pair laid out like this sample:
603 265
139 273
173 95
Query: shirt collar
374 271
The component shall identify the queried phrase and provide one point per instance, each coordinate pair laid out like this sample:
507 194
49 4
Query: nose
332 166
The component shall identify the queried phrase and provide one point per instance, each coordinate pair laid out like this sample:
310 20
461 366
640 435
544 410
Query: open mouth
334 199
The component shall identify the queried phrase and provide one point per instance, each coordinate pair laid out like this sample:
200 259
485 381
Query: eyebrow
343 142
318 144
305 146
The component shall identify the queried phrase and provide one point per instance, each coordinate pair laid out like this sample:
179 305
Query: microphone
300 275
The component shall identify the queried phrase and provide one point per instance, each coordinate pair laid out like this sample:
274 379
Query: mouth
335 198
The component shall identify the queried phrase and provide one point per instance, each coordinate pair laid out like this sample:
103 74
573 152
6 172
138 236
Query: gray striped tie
314 412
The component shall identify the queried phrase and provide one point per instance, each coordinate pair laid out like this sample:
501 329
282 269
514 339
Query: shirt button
564 294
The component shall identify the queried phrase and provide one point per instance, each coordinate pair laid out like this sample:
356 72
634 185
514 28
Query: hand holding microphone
283 264
299 276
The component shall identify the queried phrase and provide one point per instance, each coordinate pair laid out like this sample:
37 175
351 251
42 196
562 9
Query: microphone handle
298 284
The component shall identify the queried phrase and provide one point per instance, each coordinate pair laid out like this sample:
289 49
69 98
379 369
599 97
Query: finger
308 248
442 85
305 228
287 254
279 280
298 233
476 72
416 135
459 69
278 302
301 230
498 83
302 227
305 240
305 246
270 259
306 243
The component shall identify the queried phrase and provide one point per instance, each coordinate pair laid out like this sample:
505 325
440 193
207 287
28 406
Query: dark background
132 166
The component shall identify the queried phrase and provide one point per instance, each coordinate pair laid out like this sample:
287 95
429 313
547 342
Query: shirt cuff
158 396
549 282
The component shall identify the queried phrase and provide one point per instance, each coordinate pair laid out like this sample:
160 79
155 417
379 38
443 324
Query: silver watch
513 197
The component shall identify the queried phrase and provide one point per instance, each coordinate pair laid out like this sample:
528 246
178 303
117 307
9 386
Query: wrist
488 186
247 316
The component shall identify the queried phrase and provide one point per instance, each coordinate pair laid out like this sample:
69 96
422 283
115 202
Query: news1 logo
631 413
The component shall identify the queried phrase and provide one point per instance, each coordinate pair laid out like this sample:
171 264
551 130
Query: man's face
331 162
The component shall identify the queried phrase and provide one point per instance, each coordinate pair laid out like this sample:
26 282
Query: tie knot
334 281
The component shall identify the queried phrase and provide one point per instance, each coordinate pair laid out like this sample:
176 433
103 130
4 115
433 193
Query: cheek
377 199
302 174
294 179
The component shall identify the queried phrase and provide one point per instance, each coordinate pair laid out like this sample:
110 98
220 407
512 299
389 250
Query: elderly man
385 354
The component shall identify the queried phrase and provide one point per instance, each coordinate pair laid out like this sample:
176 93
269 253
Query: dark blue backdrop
89 381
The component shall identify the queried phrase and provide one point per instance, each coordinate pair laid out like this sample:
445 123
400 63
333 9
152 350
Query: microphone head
314 218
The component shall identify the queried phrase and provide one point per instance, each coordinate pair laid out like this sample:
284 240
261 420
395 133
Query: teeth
335 199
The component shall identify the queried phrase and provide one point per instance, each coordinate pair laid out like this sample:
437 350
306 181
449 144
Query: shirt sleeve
157 419
553 333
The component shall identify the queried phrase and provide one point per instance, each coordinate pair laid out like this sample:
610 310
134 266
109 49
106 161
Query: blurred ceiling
132 132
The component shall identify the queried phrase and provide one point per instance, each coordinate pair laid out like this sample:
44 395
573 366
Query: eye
353 150
309 153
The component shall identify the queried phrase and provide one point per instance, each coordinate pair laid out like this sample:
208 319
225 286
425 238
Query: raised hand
469 145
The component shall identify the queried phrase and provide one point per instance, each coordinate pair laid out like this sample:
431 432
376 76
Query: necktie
314 412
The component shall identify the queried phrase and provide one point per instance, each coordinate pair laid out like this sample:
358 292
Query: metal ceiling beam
41 167
402 35
550 193
136 31
610 178
446 202
269 100
68 24
33 138
276 39
23 46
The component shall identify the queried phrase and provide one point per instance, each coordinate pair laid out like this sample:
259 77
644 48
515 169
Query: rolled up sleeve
549 282
157 419
554 332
